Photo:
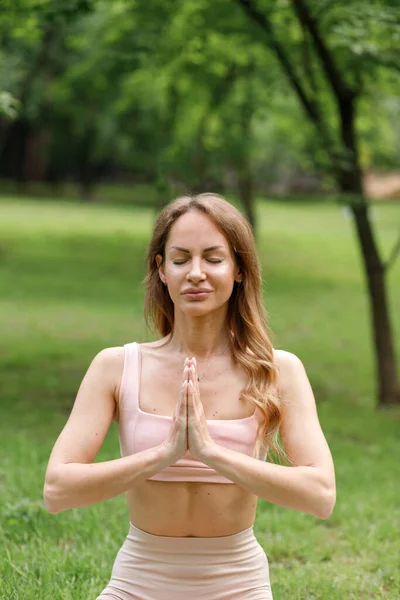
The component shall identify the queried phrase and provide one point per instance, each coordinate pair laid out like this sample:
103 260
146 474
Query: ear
238 276
160 266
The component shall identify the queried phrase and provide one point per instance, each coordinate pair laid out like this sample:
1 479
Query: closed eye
210 260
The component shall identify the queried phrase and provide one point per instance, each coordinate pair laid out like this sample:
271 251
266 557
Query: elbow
51 496
49 499
327 501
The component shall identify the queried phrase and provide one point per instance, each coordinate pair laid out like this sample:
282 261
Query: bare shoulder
110 363
286 359
110 357
290 367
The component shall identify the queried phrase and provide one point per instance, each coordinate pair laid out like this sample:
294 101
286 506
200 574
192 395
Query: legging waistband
186 544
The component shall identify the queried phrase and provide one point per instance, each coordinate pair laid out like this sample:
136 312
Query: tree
32 36
344 73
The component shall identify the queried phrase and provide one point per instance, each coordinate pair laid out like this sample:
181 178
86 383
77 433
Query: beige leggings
153 567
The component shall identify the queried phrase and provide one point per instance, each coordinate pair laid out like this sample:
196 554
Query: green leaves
164 87
9 105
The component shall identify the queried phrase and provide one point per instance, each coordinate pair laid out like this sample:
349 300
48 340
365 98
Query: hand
199 439
176 443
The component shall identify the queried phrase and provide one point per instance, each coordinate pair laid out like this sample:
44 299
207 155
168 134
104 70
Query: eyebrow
188 251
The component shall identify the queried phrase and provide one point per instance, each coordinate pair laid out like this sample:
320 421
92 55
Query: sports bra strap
129 388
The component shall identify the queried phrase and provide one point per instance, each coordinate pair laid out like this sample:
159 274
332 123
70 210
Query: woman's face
199 267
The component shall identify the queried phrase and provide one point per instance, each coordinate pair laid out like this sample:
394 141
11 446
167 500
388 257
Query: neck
201 337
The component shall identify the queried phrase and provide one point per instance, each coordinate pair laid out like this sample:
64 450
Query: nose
195 272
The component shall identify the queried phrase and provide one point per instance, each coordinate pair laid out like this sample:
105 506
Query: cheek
175 273
223 272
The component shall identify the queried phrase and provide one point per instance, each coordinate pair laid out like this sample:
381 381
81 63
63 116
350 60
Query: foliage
185 91
8 105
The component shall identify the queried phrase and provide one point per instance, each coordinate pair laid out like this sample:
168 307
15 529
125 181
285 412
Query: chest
161 381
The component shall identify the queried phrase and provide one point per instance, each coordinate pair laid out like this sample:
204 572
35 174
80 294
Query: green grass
102 193
70 284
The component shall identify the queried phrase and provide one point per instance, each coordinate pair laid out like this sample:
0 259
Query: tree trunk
86 182
38 63
20 165
85 166
244 175
388 387
350 181
245 187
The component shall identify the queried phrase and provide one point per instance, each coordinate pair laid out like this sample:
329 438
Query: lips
193 295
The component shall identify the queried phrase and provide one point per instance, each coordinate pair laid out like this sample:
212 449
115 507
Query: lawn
71 284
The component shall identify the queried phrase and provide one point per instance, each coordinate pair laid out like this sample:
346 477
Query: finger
185 373
183 390
187 366
190 399
192 374
193 363
193 379
182 410
185 409
193 407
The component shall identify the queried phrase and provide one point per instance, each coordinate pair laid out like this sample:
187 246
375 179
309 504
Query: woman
197 412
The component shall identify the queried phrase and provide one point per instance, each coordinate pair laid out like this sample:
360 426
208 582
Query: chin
195 311
199 309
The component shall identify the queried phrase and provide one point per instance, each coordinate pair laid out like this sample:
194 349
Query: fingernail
194 360
191 383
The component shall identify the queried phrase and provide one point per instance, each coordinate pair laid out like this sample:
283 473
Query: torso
191 508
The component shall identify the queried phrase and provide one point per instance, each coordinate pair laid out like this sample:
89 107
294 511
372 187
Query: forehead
195 228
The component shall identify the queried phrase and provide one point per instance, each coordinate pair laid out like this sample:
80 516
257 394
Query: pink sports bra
139 430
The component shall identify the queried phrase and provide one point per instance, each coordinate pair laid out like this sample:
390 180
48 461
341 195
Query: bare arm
71 478
309 484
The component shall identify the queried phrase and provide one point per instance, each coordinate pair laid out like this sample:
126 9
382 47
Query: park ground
71 284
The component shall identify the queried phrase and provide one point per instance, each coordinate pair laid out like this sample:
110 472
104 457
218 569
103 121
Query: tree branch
340 88
309 105
307 61
262 20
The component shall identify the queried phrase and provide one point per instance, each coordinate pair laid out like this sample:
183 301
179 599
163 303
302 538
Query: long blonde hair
247 319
